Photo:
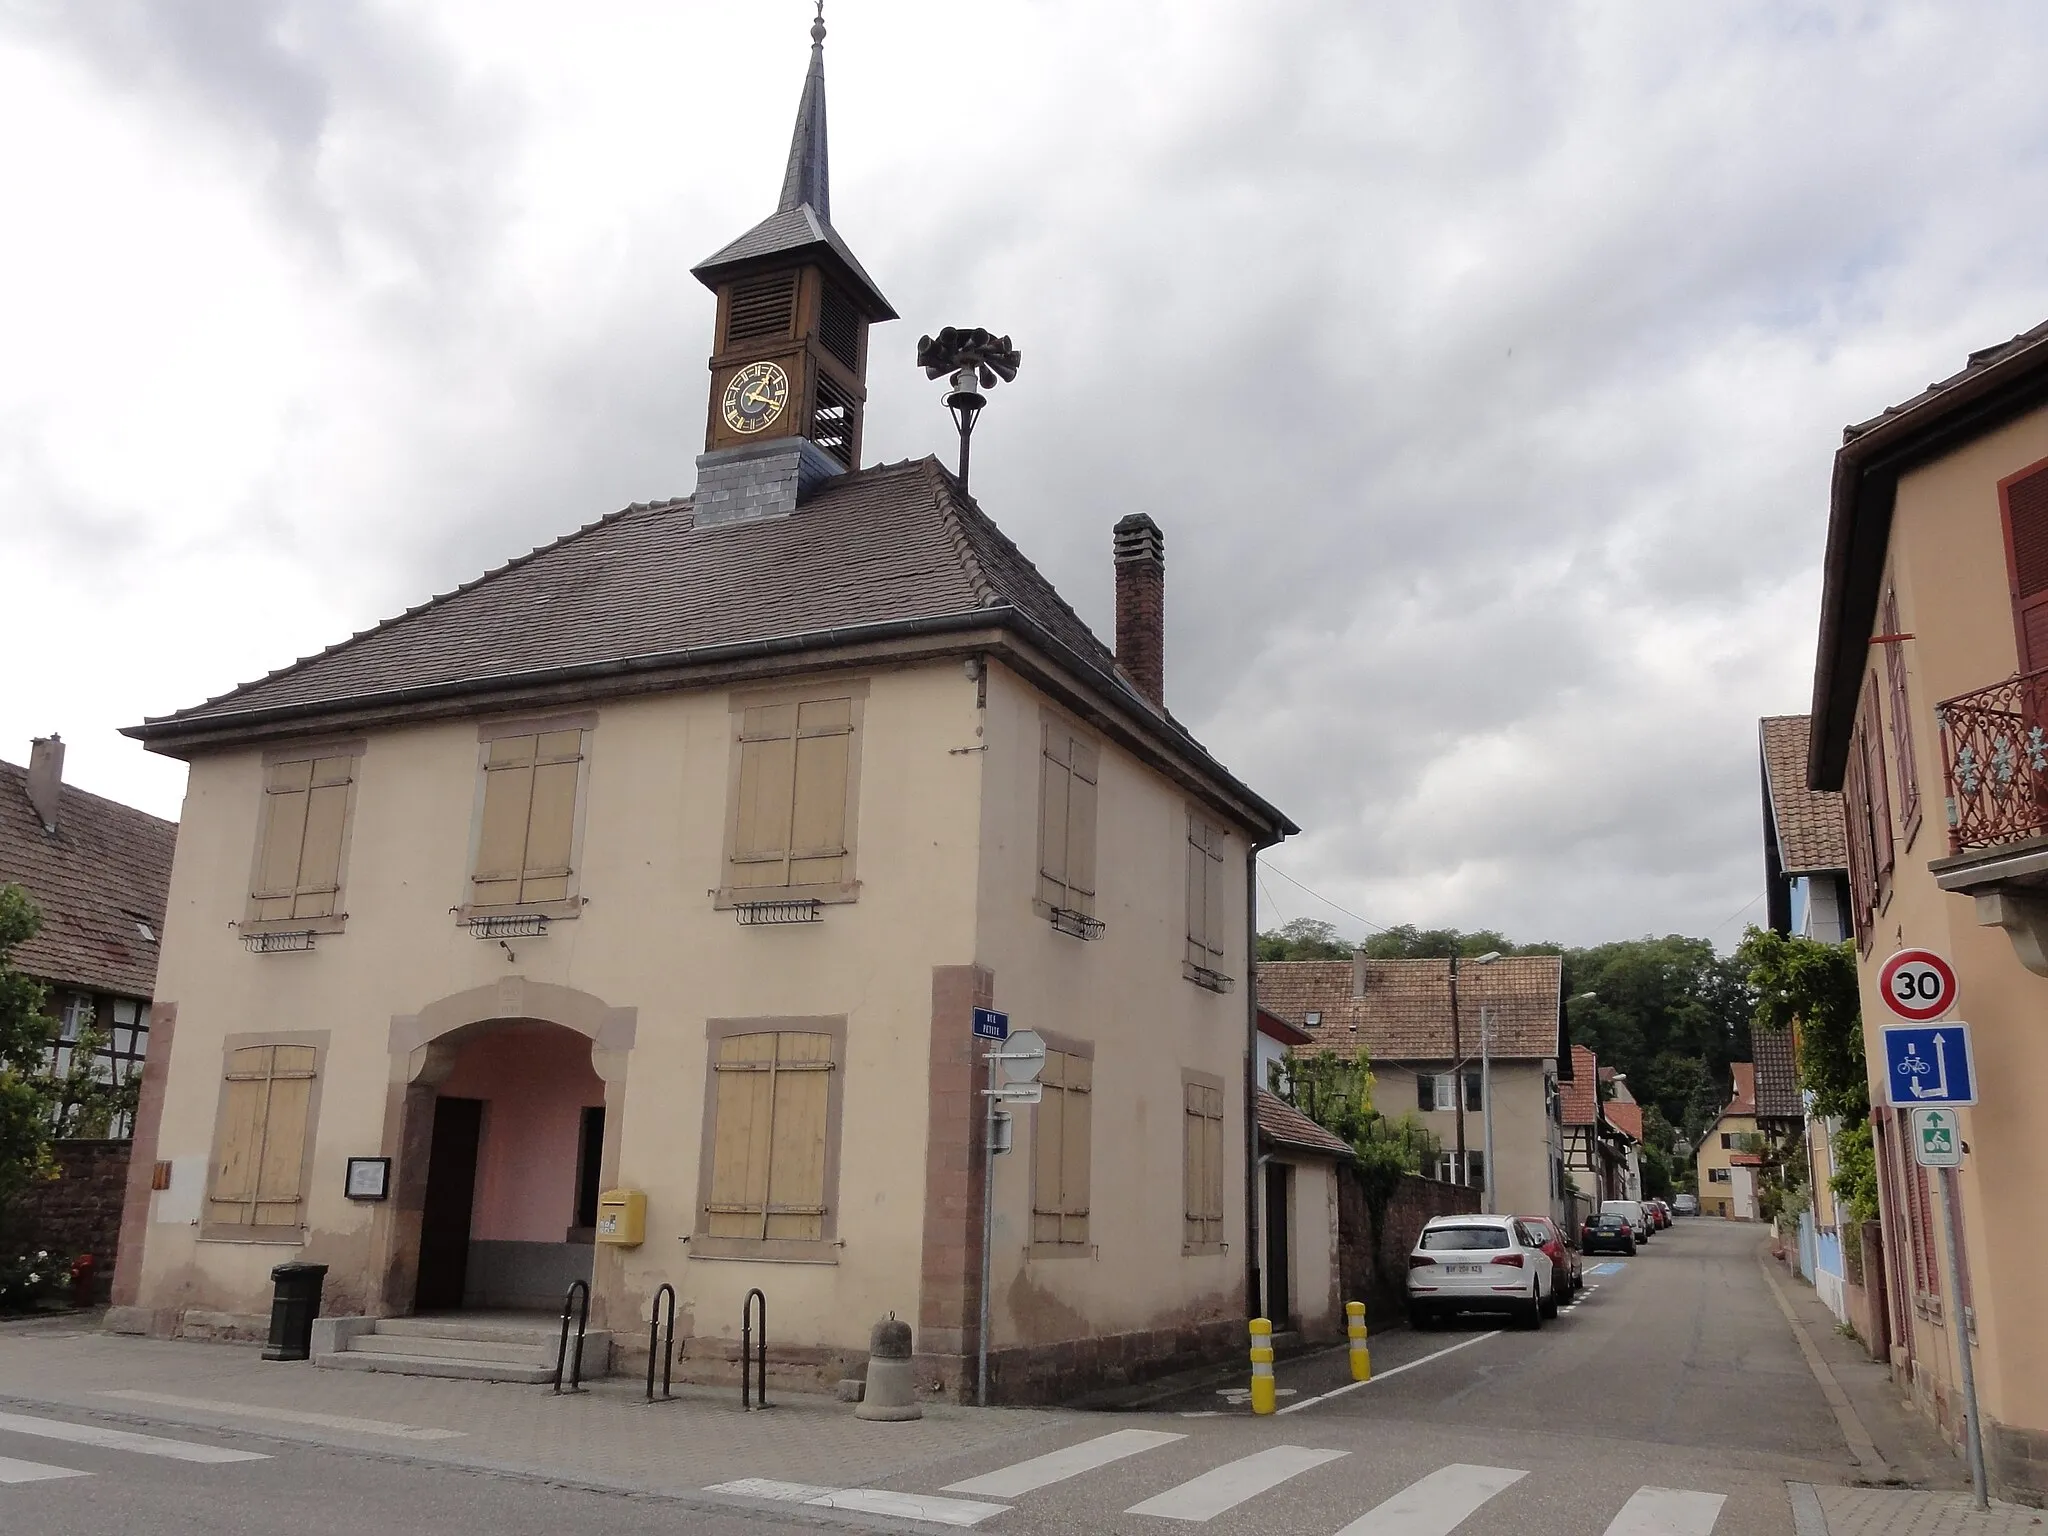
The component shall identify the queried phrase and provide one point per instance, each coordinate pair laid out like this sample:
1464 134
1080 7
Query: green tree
1334 1092
26 1035
1303 939
1408 942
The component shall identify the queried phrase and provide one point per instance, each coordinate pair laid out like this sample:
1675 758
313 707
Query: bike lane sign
1928 1064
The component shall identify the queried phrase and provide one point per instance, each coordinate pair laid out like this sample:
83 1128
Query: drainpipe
1252 1224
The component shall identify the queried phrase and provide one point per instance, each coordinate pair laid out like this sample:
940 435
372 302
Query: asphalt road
1672 1399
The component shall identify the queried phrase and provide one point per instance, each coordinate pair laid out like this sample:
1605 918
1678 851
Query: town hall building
672 859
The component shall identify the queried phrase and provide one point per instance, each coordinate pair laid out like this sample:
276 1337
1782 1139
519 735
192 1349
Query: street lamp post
1485 1090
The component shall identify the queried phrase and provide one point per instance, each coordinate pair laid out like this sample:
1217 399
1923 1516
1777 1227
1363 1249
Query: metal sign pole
988 1221
1952 1212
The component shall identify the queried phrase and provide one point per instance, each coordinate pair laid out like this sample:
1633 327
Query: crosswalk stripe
1667 1512
907 1506
291 1416
1435 1505
121 1440
1227 1486
1057 1466
12 1471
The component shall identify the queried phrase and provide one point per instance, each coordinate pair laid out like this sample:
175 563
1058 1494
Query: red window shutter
2023 505
1878 791
1902 716
1856 802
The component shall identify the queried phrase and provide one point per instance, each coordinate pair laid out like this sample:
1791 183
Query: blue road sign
1928 1064
990 1025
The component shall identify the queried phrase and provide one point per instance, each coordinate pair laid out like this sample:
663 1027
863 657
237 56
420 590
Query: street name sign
1937 1138
990 1025
1918 985
1928 1064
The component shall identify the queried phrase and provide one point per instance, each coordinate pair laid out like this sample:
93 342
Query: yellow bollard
1265 1396
1361 1357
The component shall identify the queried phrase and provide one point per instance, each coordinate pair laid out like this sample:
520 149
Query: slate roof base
101 878
1400 1010
646 599
1812 829
1283 1125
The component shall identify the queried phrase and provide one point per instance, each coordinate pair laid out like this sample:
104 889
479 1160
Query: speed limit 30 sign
1918 985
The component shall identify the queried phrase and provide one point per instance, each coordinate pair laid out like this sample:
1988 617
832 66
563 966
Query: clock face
755 396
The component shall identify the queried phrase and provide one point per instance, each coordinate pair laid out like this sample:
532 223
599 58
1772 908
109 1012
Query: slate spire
809 176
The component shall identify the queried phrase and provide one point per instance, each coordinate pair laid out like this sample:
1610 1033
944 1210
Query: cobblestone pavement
1912 1512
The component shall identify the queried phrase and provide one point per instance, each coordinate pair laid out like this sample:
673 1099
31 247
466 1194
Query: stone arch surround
423 1049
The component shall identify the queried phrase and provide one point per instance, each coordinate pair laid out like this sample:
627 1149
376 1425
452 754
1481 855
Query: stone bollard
891 1390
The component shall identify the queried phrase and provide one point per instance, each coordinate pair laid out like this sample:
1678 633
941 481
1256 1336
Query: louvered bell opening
761 306
832 421
839 328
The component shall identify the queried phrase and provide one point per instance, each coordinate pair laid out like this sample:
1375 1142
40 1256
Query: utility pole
1457 1073
1486 1099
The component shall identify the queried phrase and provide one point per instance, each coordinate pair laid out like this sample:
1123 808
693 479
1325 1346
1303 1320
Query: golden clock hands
752 394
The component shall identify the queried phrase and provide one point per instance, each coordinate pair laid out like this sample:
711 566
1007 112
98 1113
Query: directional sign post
1928 1064
1014 1064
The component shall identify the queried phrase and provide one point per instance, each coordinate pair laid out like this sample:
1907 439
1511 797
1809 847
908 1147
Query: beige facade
1922 561
651 970
1727 1186
1527 1142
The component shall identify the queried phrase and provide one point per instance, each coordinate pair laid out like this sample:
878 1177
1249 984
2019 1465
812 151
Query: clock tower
790 345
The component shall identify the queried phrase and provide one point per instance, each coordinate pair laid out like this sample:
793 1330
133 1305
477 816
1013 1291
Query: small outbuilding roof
1284 1125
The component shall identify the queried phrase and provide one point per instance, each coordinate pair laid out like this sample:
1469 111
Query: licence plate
1461 1269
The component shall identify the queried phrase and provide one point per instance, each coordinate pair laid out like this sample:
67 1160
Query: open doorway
1279 1273
451 1197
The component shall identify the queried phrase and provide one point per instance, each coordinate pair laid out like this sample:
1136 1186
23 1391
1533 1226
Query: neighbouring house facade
1806 871
672 859
98 871
1728 1159
1426 1056
1928 716
1623 1117
1595 1153
1300 1222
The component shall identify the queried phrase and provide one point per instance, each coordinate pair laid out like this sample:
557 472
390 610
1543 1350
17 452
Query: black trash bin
293 1306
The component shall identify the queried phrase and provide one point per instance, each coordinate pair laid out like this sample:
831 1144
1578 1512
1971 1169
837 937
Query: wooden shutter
1202 1164
1062 1149
529 820
1902 716
1856 806
790 816
1425 1090
266 1099
305 815
1878 791
2023 508
770 1105
1069 770
1204 894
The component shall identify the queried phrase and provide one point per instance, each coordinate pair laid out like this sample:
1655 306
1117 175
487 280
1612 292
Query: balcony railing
1994 761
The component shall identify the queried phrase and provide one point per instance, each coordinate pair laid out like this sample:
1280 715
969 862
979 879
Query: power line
1759 896
1319 896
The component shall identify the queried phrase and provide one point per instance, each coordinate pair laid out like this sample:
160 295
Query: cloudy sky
1482 361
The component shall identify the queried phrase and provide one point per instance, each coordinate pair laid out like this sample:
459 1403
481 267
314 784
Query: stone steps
489 1349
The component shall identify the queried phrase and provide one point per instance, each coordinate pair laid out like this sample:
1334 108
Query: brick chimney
1141 604
46 777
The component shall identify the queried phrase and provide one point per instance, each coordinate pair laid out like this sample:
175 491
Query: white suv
1632 1212
1478 1264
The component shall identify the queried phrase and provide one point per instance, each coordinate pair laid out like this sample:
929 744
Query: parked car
1686 1205
1660 1211
1632 1212
1607 1232
1564 1258
1478 1264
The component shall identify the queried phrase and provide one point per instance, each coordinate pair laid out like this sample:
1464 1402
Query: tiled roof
1282 1123
1976 363
1580 1092
106 869
1743 1101
1772 1054
1273 1027
1400 1010
1624 1117
1812 831
1745 1160
890 546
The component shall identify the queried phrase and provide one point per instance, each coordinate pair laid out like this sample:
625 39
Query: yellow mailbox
622 1217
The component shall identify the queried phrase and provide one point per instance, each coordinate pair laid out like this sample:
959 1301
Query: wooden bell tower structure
790 351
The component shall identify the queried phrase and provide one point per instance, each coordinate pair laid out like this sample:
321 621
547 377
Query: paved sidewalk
607 1438
1904 1512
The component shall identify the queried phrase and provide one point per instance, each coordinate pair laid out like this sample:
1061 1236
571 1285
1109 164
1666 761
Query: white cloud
1483 363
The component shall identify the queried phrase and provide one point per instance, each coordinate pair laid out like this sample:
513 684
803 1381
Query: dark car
1564 1259
1608 1232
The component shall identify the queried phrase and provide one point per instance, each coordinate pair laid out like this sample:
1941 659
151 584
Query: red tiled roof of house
1580 1093
1812 827
1624 1117
1282 1123
1273 1027
100 879
1400 1010
1745 1160
1743 1102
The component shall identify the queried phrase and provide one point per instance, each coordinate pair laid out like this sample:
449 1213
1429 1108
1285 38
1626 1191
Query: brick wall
1377 1273
77 1212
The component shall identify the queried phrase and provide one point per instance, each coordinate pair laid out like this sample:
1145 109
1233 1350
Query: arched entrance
503 1120
513 1170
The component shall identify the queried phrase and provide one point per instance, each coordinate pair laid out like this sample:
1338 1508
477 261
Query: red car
1564 1259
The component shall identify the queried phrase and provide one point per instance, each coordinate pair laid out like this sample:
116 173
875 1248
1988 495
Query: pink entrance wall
536 1081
